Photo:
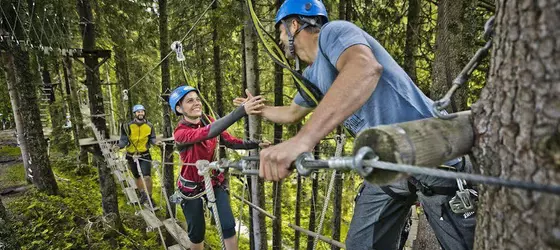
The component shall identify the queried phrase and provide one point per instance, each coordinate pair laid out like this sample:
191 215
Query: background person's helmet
177 95
302 8
138 107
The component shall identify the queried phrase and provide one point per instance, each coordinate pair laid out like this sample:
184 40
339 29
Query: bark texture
517 127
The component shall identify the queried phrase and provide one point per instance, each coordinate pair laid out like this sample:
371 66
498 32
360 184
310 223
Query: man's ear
178 109
294 25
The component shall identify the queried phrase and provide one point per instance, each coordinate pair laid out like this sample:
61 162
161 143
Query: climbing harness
439 106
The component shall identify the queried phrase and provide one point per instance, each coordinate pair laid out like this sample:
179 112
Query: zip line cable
171 52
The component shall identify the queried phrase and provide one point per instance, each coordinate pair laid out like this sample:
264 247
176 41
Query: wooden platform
119 175
131 194
177 232
176 247
151 220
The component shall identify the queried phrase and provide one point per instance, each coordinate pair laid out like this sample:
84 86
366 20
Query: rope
240 210
340 141
164 192
204 170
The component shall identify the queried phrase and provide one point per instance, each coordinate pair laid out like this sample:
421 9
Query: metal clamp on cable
125 95
300 163
358 164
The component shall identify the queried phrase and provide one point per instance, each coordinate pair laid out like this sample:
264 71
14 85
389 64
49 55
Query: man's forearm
278 114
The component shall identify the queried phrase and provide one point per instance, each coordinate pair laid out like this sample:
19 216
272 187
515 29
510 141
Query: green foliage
13 175
74 220
10 151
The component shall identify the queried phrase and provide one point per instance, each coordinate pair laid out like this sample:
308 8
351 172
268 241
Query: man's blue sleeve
338 36
299 100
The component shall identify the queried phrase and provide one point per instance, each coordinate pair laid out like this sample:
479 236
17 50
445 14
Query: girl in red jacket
196 137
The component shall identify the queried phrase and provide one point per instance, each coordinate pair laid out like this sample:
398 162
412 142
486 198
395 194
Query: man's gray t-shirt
395 99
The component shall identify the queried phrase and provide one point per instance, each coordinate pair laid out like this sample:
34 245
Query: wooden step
176 247
119 175
177 232
131 182
147 206
131 194
151 220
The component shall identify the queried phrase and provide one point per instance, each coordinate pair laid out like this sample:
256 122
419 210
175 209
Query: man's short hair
315 22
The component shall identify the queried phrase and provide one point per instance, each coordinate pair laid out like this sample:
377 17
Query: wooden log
428 142
321 237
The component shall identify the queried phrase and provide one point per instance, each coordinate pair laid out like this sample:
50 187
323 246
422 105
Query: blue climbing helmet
302 8
138 107
177 95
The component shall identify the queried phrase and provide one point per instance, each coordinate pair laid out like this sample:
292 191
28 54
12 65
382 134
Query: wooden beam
428 142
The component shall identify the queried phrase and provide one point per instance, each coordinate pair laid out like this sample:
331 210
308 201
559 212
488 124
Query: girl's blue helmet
177 95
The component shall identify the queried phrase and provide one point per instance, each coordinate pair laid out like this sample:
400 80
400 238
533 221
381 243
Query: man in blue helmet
363 87
137 136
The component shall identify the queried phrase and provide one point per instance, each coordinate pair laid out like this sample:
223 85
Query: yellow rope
274 50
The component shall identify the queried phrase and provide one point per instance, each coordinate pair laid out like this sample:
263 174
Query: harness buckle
176 198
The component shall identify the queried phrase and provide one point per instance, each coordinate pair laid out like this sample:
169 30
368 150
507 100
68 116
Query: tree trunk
123 78
168 175
337 203
412 38
255 131
455 39
18 60
244 75
314 200
74 108
218 72
246 129
349 10
342 9
107 185
277 186
14 100
297 219
516 123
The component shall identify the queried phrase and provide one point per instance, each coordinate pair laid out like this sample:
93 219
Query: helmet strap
291 38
